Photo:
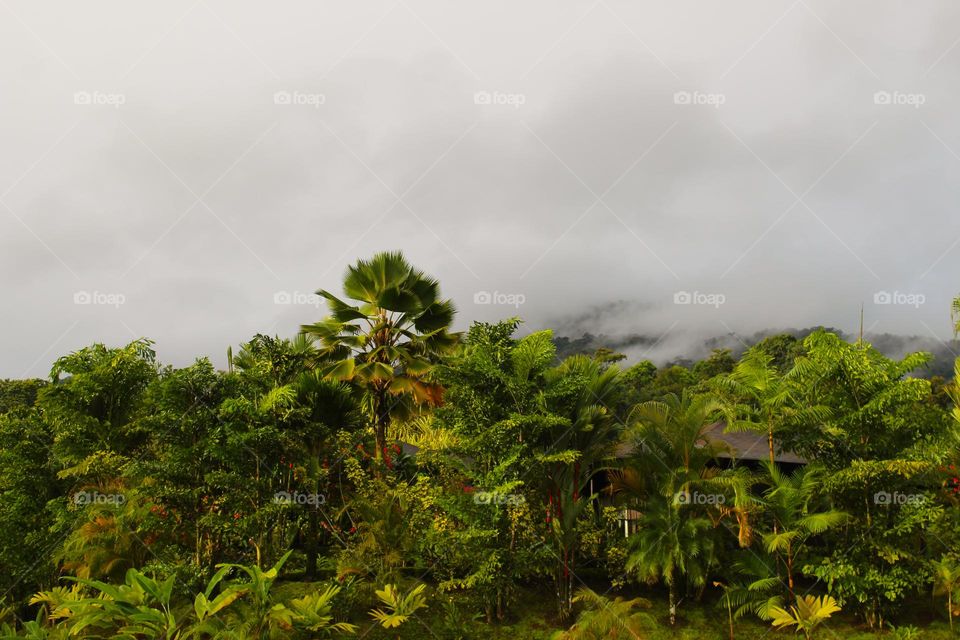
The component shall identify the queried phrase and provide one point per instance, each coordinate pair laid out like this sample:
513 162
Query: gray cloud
495 197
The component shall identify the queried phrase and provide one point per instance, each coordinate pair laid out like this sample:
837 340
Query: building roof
746 445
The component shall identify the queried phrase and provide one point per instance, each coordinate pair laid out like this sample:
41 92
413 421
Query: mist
659 175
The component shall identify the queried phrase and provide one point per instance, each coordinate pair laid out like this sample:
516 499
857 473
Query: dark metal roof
746 445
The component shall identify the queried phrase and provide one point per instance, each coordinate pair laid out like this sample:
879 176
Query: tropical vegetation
382 475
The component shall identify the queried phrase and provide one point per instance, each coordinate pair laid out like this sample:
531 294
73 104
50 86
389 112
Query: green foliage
605 618
161 492
94 408
399 607
797 513
946 582
808 614
878 440
719 362
671 466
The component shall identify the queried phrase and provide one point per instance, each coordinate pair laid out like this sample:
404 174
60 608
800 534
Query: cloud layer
209 164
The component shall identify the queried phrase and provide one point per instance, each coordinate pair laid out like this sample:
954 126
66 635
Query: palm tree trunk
770 442
790 572
381 421
313 534
950 606
673 601
730 613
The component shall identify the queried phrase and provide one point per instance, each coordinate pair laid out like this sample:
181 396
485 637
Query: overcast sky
182 170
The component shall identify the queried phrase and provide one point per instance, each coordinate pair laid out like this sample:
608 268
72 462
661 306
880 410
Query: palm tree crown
389 340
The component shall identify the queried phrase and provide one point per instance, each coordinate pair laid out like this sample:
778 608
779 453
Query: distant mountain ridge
891 345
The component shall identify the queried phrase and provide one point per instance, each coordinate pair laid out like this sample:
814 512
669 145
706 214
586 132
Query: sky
191 171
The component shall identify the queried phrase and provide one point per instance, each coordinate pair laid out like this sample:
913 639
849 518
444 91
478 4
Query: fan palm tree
389 340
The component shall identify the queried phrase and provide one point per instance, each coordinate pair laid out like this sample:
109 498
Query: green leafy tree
309 410
783 350
881 440
719 362
93 403
490 536
27 484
